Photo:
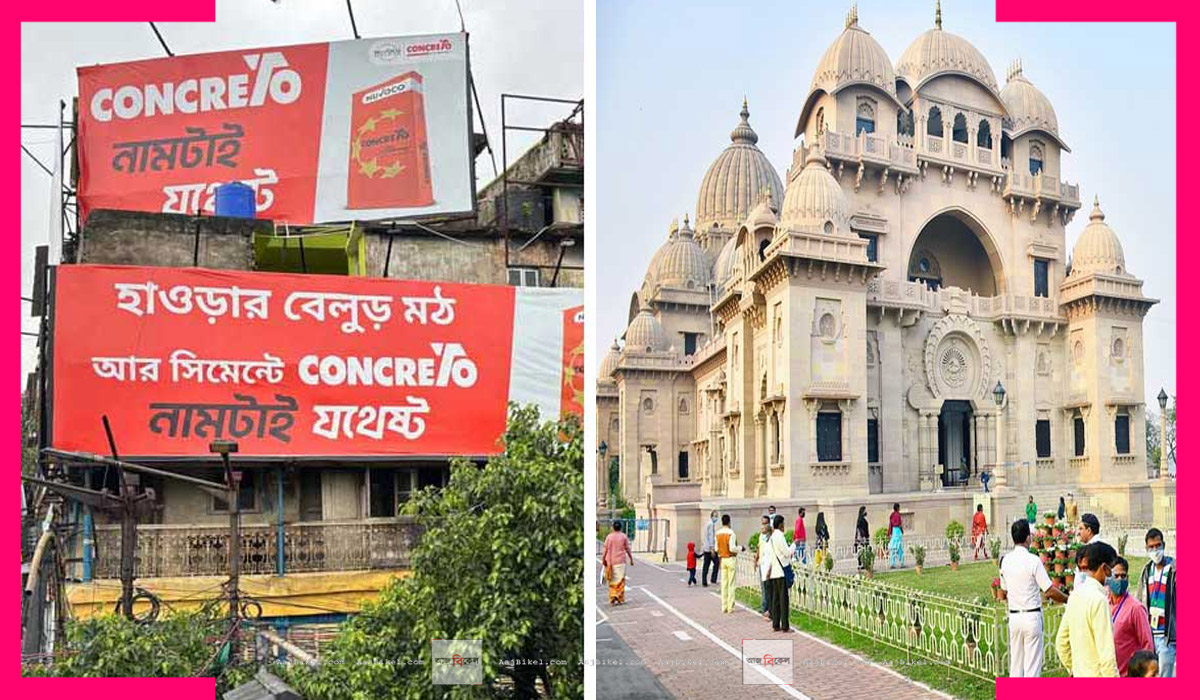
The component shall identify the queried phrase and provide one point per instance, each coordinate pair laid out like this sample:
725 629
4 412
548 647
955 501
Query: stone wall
169 240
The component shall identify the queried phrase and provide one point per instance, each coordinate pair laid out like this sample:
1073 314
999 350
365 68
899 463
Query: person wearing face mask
1156 589
1085 636
1131 626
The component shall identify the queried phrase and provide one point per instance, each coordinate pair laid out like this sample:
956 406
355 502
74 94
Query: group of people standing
862 535
1106 629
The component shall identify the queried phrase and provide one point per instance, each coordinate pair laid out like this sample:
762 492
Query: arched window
960 128
865 117
1035 158
984 140
820 121
934 127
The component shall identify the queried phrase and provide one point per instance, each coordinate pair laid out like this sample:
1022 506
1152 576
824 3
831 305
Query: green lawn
971 579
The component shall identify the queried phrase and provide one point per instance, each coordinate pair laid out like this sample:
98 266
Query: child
691 563
1143 664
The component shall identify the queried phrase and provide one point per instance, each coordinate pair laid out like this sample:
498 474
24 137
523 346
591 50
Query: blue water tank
236 199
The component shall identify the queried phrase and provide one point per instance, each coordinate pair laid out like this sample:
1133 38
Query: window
872 246
1005 146
247 494
523 276
653 461
1041 278
960 128
934 127
381 493
904 122
1035 159
1122 430
865 117
762 249
683 466
1043 438
689 343
872 440
1079 436
984 138
820 121
829 436
405 485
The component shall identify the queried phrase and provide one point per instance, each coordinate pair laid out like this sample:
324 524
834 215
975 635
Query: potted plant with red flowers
1044 555
1060 532
1059 564
1050 516
996 588
1069 577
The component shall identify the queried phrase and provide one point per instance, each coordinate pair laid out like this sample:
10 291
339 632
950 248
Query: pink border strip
73 11
1185 15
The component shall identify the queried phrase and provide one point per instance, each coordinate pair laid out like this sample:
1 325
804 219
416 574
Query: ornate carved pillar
760 469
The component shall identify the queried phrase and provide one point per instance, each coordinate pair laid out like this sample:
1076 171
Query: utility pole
233 480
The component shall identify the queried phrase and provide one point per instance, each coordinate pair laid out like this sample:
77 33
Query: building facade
837 337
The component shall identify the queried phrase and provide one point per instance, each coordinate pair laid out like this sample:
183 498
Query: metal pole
88 535
233 480
1162 445
279 564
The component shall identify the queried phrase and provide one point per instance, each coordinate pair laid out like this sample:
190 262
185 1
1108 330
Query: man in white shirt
1023 579
780 556
727 550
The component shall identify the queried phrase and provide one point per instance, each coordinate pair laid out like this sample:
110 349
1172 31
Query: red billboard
351 130
296 365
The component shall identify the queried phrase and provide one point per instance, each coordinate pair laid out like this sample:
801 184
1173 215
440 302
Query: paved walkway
693 651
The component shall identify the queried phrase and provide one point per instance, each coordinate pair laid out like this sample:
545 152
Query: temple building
895 316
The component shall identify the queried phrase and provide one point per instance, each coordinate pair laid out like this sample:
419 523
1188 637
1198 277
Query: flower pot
1050 520
918 569
1045 558
868 573
954 566
1058 566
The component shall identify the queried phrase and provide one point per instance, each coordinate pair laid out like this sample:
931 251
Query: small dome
735 178
1098 248
609 364
725 265
854 58
814 199
763 214
938 52
680 262
1028 108
645 333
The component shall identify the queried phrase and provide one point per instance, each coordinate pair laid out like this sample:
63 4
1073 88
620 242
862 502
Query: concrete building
836 337
341 539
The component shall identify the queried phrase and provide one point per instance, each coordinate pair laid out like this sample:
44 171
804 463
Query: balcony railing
917 296
190 550
1042 187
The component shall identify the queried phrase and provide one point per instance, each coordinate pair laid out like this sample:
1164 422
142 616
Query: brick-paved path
664 623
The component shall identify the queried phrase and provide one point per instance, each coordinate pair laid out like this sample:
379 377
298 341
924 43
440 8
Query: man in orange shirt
979 531
727 550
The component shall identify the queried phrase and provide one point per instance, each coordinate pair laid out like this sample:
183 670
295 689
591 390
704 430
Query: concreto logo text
440 46
451 365
269 76
397 135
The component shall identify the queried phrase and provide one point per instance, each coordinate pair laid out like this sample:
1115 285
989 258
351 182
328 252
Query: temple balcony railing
861 148
203 550
902 296
1041 187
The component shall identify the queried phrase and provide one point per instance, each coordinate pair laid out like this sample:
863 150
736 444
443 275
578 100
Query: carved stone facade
852 336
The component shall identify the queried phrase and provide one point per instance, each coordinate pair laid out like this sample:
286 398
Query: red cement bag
389 150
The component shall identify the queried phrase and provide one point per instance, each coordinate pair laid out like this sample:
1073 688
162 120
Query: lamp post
1162 426
232 484
602 472
1001 475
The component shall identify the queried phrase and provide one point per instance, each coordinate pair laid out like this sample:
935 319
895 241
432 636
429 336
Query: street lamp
602 472
1001 475
1162 440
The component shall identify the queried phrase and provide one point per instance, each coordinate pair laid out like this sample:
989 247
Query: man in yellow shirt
1085 636
727 550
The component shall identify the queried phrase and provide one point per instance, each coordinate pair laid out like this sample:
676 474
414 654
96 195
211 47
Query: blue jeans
1166 657
801 556
764 596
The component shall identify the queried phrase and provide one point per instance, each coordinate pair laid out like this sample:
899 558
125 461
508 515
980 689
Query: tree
180 645
500 560
1154 436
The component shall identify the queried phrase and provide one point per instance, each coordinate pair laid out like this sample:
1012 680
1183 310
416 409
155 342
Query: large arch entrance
954 250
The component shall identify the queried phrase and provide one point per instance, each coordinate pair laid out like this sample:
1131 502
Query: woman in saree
822 540
862 531
617 553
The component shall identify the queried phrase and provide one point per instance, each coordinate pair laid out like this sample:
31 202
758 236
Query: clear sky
533 47
670 83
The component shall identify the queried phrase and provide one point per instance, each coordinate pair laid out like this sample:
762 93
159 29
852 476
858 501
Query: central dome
732 183
938 52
